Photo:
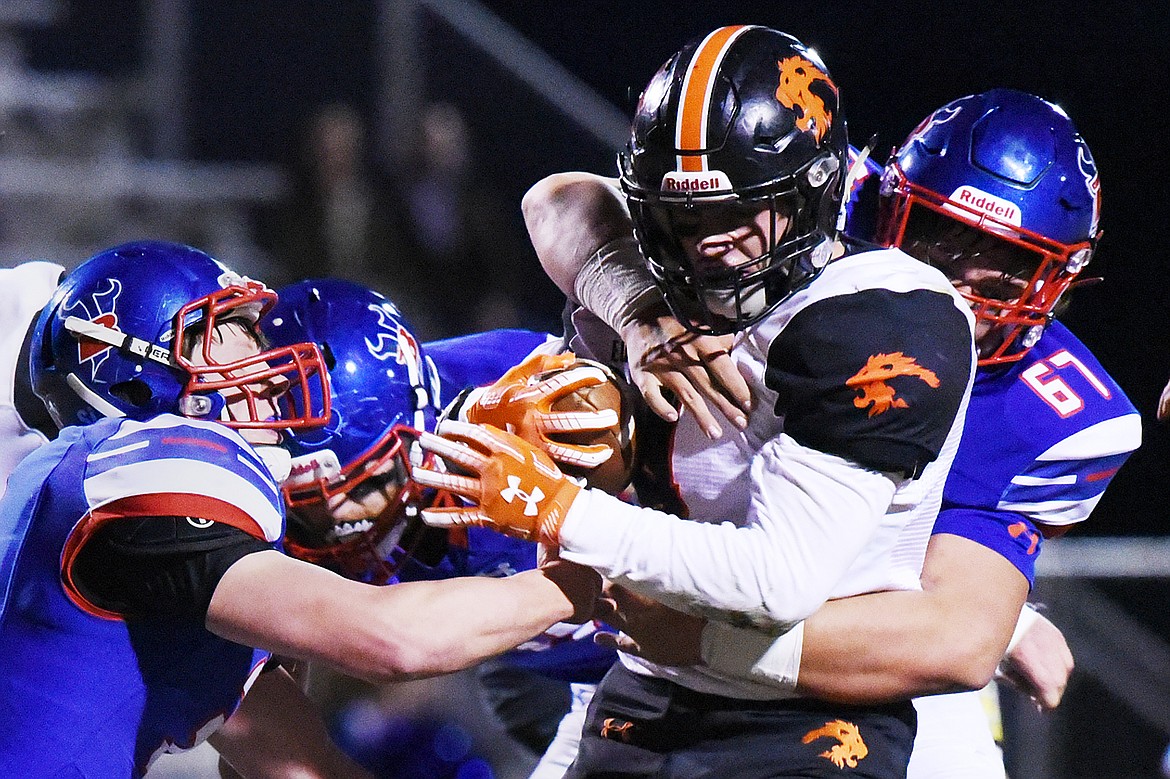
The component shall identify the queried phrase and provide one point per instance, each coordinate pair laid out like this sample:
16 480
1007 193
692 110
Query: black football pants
641 726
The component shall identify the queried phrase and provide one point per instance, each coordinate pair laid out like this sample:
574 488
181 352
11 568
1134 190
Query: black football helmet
744 119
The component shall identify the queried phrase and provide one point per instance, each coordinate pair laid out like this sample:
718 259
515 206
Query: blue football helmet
384 391
742 120
1002 174
115 340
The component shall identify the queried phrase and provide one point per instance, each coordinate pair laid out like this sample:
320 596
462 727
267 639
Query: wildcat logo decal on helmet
1088 169
385 343
941 116
103 313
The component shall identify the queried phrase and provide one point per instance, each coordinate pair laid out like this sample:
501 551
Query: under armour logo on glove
513 491
499 466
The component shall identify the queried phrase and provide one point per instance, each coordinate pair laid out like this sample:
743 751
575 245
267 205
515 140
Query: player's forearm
948 637
811 515
891 645
840 654
457 623
277 731
392 633
569 217
910 650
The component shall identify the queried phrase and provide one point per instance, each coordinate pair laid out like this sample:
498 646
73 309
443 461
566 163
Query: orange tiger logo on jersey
797 75
851 746
879 396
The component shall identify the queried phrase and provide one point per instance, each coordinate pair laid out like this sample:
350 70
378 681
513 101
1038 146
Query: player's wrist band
750 654
1028 617
615 284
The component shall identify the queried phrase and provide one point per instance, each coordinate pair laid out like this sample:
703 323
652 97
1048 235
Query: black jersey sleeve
875 376
159 566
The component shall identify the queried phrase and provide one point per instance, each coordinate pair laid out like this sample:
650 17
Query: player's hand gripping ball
578 411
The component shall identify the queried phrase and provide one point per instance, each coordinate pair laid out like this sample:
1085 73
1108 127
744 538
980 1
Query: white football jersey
24 291
860 383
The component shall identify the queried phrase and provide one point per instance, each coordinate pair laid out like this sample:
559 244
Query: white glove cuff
615 284
1028 617
749 654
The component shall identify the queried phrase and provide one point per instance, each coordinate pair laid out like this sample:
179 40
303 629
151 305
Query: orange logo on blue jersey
876 394
1021 528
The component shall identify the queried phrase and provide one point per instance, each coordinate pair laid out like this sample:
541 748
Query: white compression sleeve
811 514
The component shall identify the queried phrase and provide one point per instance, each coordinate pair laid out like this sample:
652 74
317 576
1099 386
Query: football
613 475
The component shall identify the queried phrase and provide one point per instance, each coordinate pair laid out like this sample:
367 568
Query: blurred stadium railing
408 57
1108 596
76 173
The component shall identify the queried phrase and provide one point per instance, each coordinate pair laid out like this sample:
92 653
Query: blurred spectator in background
340 218
461 240
433 235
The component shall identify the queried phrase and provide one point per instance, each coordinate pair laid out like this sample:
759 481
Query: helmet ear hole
136 393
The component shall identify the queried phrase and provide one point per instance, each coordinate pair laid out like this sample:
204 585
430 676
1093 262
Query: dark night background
257 69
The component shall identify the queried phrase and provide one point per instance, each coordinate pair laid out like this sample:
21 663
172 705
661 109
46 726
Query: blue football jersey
1042 438
479 359
85 693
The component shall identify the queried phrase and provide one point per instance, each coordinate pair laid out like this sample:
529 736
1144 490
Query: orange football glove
517 490
521 402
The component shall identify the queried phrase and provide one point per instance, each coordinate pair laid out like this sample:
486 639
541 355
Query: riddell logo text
711 181
1003 210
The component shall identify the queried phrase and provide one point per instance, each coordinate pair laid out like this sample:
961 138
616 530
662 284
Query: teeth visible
343 530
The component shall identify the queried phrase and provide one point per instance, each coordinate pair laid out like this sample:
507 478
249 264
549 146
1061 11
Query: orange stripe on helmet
691 132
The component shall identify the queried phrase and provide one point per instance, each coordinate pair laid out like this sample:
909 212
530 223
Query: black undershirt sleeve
159 566
875 376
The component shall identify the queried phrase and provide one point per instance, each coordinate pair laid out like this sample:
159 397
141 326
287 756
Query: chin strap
92 399
851 177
